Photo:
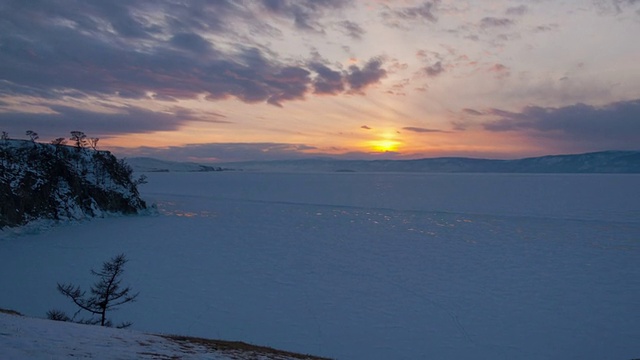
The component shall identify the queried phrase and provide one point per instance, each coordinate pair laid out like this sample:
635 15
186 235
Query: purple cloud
491 22
399 17
40 54
613 126
352 29
435 69
371 73
421 130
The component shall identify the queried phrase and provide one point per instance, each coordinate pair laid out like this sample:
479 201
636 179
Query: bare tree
32 135
106 294
59 141
93 142
79 138
4 136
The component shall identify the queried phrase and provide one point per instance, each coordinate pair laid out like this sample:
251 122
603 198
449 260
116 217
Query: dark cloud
472 112
365 127
327 81
490 22
421 130
435 69
352 29
370 73
192 42
118 121
117 48
613 126
304 13
399 17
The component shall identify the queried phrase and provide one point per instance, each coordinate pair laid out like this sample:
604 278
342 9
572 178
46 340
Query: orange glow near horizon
384 145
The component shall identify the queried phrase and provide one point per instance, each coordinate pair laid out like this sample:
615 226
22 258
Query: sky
215 81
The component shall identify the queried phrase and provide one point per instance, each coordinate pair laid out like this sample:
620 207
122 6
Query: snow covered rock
57 182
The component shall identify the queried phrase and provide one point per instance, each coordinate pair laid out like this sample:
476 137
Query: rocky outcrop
58 182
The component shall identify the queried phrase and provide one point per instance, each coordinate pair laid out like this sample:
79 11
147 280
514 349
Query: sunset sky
222 80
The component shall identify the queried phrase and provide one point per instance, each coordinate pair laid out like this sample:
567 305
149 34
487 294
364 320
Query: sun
384 145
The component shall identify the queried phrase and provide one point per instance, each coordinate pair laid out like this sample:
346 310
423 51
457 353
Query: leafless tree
93 142
79 138
59 141
106 294
32 135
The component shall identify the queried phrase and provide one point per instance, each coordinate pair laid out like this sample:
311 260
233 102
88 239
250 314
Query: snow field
365 266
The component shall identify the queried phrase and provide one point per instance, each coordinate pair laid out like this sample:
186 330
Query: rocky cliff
58 182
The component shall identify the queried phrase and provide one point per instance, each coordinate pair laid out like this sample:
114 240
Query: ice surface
365 266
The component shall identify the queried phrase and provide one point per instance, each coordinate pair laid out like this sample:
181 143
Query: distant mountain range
147 164
627 162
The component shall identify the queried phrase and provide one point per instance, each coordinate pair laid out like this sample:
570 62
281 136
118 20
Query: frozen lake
365 266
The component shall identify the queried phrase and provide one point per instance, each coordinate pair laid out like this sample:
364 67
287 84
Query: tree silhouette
106 294
32 135
59 141
79 138
93 142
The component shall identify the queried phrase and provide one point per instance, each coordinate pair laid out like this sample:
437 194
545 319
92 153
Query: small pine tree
106 294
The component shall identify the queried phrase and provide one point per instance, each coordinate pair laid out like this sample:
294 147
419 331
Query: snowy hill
30 338
597 162
58 182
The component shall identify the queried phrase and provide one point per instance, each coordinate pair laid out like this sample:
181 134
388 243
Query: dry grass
247 351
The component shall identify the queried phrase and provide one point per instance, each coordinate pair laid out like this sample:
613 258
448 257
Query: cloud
123 120
500 70
435 69
192 42
613 126
472 112
421 130
370 73
124 49
304 13
352 29
617 6
491 22
327 81
517 10
399 17
365 127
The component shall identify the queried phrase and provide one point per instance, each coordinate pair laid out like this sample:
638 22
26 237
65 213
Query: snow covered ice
364 266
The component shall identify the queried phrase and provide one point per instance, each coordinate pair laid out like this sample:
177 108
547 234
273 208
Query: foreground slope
30 338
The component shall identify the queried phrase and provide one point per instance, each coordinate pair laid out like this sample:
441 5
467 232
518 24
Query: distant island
614 162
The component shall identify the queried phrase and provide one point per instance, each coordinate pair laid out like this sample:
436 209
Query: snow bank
24 338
